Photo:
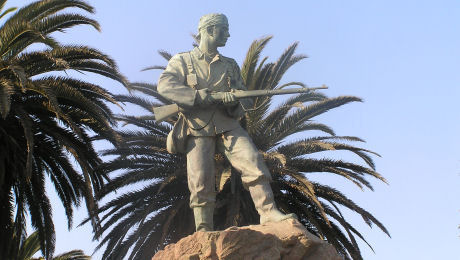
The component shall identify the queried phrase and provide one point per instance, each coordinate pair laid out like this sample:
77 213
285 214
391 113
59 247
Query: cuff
200 96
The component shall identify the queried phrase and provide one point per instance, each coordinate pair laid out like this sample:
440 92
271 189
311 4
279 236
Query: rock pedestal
283 240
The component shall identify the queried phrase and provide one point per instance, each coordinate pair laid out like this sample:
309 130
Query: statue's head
213 28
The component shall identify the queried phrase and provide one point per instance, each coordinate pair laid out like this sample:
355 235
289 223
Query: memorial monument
207 124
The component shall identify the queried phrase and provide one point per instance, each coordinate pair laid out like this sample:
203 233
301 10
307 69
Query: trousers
237 147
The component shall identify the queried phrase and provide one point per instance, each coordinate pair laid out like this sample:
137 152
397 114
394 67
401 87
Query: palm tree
48 119
31 245
155 211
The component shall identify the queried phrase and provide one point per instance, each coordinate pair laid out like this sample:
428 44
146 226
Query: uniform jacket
221 74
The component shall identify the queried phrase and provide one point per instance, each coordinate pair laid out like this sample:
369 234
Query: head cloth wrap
211 19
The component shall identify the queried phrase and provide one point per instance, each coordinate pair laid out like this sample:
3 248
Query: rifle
164 112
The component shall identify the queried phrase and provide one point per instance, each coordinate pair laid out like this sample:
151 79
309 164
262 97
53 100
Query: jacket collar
200 55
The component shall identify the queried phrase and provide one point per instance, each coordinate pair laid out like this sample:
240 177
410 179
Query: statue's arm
172 83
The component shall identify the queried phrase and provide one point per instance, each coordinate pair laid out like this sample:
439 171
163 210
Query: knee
253 180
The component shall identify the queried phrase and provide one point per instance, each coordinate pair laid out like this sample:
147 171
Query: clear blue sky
401 57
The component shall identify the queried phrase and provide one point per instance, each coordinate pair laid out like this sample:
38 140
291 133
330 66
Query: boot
263 198
204 218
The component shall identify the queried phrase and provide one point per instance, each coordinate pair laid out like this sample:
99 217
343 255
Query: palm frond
251 60
6 90
154 68
29 247
166 55
7 11
44 8
72 255
338 197
48 121
61 22
289 123
142 102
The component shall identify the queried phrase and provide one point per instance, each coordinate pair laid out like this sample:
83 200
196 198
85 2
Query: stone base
287 239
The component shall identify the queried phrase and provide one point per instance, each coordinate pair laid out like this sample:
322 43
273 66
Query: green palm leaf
48 122
29 247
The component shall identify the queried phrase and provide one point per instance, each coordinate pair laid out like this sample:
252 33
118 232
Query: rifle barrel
258 93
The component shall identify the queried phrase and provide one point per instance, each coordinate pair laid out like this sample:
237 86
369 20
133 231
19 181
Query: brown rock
283 240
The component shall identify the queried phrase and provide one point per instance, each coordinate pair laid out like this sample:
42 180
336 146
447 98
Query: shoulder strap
191 75
188 61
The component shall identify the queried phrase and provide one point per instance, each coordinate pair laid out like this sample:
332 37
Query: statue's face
221 34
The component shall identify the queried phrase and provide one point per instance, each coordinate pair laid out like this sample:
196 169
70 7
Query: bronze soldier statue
188 81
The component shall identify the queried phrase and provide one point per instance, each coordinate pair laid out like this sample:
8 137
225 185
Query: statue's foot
204 228
276 216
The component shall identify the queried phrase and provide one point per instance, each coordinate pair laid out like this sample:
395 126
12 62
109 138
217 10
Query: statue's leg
244 156
201 180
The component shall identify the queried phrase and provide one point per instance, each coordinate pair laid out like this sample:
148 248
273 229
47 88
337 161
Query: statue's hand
229 99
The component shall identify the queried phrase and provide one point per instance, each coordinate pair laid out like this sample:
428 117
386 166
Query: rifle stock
164 112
